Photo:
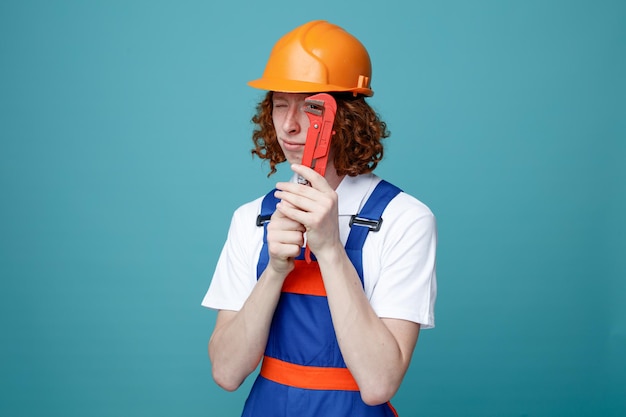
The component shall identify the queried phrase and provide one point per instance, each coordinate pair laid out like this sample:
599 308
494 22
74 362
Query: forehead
277 95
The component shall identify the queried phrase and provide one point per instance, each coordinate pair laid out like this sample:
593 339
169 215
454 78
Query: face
291 124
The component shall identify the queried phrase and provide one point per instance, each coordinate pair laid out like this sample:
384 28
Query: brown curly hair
357 143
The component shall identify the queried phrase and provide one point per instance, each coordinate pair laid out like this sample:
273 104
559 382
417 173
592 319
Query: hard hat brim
294 86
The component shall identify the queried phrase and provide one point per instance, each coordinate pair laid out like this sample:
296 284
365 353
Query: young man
336 335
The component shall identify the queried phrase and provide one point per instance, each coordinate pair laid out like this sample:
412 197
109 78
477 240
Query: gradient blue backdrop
124 148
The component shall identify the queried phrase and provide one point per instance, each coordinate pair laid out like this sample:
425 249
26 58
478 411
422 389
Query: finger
286 237
316 180
297 214
279 221
301 197
296 196
294 201
283 251
294 188
279 218
281 194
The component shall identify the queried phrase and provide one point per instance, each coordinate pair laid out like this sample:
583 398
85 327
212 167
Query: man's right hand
285 239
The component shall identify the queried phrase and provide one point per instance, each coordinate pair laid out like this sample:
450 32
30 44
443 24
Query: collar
354 191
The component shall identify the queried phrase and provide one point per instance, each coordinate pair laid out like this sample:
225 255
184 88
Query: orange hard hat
317 57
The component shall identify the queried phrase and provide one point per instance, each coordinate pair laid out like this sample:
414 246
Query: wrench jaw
302 180
314 106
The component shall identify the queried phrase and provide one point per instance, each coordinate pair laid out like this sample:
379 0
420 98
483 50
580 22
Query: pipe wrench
320 109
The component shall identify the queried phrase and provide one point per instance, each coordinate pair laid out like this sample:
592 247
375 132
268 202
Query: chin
294 159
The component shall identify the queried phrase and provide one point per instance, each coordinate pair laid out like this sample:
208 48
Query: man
335 335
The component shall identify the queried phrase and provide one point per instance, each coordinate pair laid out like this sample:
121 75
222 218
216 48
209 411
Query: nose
291 123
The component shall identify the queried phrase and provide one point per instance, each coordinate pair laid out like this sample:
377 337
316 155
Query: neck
333 179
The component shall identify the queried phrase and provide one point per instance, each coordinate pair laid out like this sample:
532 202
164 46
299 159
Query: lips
292 146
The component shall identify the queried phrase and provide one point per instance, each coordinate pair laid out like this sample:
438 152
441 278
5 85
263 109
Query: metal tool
320 109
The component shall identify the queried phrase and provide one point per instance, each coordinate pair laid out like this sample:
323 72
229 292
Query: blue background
124 149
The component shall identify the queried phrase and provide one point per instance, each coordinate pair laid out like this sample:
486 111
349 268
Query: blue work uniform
303 372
